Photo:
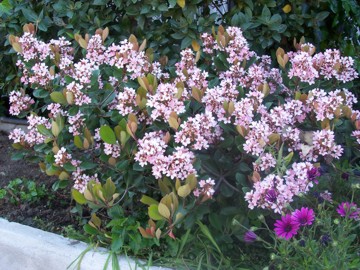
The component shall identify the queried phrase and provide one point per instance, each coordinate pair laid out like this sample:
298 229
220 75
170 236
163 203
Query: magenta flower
286 227
304 216
313 174
250 237
350 210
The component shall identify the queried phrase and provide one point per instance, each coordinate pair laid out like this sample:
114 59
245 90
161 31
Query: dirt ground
51 212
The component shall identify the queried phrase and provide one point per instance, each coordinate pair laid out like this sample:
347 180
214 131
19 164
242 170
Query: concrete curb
9 124
26 248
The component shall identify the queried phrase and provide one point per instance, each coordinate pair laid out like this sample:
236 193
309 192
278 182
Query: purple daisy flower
304 216
313 174
271 196
350 210
250 237
286 227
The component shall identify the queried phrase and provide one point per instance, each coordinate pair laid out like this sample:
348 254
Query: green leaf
148 200
44 131
58 97
266 14
30 15
78 142
109 188
154 212
184 190
40 93
90 230
88 165
204 229
78 197
107 135
322 15
5 7
164 210
117 242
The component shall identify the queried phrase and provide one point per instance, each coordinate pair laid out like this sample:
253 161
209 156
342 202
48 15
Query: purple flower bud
250 237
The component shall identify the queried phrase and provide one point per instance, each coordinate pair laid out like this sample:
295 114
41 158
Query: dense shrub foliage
164 153
172 25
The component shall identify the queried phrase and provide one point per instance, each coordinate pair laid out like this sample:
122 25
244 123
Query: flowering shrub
121 128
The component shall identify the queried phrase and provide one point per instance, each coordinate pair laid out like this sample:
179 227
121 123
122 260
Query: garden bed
46 209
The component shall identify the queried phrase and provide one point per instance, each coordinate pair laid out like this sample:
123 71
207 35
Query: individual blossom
313 174
19 102
250 237
356 134
286 227
349 210
304 216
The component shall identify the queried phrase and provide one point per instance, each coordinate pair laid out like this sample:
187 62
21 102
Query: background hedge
172 25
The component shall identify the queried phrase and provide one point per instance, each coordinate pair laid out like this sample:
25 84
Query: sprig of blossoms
19 102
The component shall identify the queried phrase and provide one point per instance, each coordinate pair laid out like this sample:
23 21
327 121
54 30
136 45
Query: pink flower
304 216
286 227
349 210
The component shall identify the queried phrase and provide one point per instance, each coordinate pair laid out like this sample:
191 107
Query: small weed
22 191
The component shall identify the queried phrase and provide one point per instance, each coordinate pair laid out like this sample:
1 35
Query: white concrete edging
26 248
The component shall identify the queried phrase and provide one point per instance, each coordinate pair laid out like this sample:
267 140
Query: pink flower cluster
152 150
199 131
187 71
329 64
126 101
164 102
275 192
19 102
81 179
33 136
62 157
323 144
206 188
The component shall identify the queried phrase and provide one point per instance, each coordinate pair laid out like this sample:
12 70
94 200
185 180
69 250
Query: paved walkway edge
26 248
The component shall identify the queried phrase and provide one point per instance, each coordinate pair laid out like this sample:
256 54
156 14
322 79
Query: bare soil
50 212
